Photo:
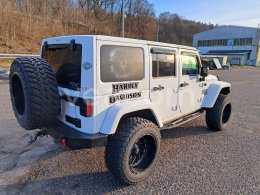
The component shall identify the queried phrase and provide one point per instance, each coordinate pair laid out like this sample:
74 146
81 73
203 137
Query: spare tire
34 93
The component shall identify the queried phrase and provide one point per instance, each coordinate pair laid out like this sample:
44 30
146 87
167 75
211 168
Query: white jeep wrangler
92 91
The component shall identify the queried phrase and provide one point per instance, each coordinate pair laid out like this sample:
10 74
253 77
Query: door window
163 65
190 65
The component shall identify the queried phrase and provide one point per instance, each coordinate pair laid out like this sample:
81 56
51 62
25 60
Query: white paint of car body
105 116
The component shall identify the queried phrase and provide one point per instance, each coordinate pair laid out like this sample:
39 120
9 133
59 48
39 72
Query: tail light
89 107
86 107
64 142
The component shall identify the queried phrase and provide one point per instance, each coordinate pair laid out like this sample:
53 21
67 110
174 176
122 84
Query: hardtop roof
128 40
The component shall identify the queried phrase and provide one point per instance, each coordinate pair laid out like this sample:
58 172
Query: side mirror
204 72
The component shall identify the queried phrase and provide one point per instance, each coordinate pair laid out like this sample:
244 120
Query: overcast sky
222 12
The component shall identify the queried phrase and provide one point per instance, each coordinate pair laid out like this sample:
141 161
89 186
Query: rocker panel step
182 120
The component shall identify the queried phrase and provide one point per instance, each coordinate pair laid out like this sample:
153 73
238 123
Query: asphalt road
193 159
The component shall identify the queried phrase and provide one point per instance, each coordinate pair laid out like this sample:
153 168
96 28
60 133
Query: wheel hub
142 153
136 149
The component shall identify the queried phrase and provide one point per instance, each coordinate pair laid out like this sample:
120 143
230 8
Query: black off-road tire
219 116
120 145
34 93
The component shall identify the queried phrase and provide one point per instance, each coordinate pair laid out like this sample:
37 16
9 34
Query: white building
240 44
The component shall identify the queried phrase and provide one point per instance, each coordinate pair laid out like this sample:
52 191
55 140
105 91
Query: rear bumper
75 139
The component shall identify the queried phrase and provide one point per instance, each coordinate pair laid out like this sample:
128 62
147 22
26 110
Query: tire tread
214 115
41 89
117 145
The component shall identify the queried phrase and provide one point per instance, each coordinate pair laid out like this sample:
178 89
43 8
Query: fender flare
117 111
213 92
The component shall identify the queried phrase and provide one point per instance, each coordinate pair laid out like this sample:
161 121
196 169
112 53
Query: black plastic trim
45 46
76 139
74 121
72 45
163 51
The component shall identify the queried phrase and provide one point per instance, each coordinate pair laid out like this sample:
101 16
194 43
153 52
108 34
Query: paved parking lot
193 160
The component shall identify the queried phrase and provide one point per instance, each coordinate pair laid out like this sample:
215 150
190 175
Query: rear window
120 63
66 63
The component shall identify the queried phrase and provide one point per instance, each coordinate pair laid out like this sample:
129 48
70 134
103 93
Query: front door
164 81
191 89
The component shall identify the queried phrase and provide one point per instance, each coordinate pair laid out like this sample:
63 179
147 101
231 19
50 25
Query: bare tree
25 22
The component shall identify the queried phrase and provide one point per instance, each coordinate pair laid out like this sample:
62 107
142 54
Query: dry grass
24 23
5 64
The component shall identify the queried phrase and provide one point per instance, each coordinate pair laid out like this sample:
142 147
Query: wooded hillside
25 22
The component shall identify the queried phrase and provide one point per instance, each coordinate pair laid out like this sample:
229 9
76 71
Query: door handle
159 88
185 84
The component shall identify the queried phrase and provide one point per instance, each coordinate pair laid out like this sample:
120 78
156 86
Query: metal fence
13 56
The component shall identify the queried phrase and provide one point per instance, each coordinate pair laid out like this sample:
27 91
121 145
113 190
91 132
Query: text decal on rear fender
121 97
124 86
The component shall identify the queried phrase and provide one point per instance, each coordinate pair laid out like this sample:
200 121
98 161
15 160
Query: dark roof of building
228 52
229 26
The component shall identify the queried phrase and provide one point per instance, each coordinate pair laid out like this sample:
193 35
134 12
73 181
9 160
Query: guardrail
13 56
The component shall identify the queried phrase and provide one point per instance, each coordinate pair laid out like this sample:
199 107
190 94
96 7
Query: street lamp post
158 29
258 34
123 20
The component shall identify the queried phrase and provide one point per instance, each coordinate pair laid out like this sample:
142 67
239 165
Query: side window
190 65
163 65
120 63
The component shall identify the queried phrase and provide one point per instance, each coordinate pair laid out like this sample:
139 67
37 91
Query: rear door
164 81
121 75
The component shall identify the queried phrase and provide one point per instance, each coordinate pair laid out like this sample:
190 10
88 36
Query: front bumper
75 139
